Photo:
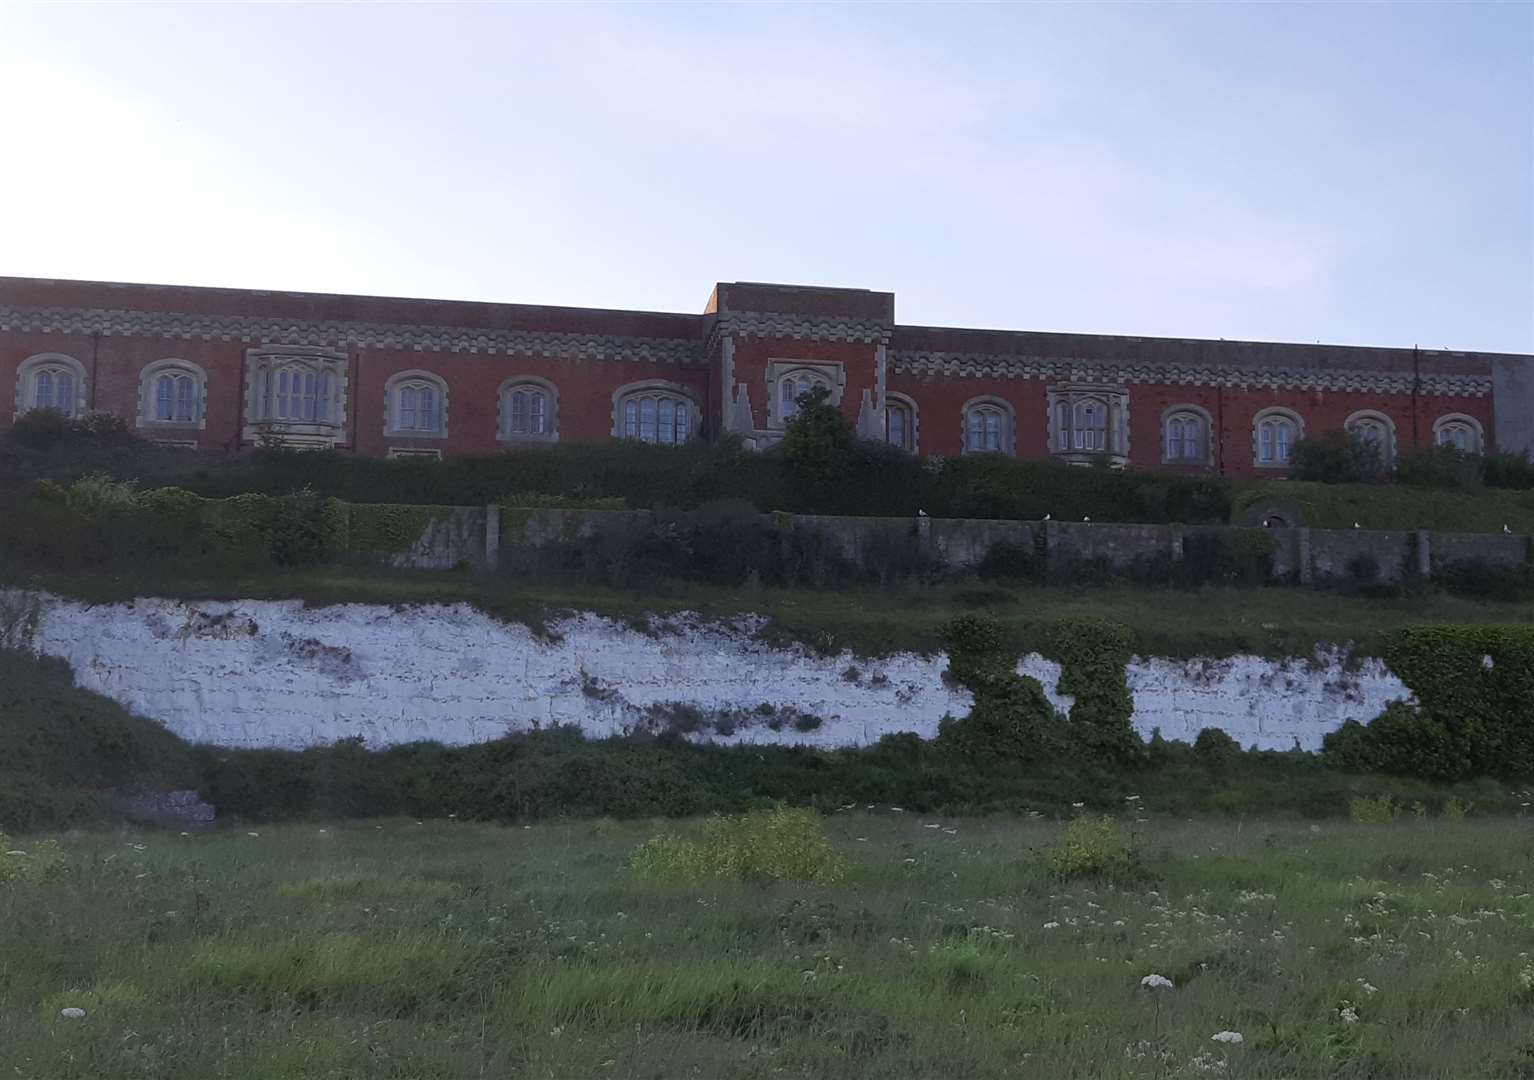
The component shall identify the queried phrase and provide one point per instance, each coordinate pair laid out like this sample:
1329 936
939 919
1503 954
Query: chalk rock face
255 673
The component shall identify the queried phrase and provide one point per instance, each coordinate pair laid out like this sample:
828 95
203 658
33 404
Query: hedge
1397 506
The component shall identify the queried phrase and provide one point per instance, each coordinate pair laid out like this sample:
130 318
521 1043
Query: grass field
446 950
1211 621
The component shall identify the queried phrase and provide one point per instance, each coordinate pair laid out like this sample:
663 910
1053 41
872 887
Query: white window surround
1454 423
1170 435
1365 420
1087 421
51 365
150 399
312 413
893 403
415 379
537 427
415 452
1281 446
831 375
989 405
659 390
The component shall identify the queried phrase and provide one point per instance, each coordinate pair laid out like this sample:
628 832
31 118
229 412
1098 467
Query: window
295 396
416 403
50 381
171 394
988 427
1459 431
900 422
1088 420
794 386
1185 436
1375 428
655 412
1276 431
529 410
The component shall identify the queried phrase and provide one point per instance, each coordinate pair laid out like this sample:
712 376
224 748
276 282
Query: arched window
416 404
1089 420
988 426
529 409
51 381
1276 431
1376 429
655 412
1458 431
171 393
793 386
1185 435
900 422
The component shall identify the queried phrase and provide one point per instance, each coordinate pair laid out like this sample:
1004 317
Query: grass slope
1398 506
445 951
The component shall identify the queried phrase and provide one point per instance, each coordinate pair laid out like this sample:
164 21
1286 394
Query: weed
767 845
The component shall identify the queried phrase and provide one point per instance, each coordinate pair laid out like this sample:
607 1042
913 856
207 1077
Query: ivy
383 529
1472 717
1093 655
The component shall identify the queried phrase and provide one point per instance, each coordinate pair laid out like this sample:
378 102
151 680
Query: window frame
1184 412
172 367
989 404
1270 414
505 413
394 390
659 389
831 374
907 404
1475 428
1374 416
33 367
1108 440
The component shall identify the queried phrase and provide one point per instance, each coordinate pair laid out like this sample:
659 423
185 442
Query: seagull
1356 525
1048 516
1506 529
1087 520
921 513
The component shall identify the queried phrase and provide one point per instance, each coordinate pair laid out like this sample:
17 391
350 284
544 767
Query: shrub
28 863
1215 749
1441 466
1093 847
1486 581
1373 810
1455 810
769 845
1509 470
1337 457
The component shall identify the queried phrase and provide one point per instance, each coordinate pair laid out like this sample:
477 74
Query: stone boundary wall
1300 555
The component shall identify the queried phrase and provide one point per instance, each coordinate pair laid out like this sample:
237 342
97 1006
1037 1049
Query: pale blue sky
1350 173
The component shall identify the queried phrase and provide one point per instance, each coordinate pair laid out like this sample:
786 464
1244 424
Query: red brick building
225 369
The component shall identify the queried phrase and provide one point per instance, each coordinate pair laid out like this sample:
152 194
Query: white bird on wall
1356 525
921 513
1506 529
1048 516
1087 520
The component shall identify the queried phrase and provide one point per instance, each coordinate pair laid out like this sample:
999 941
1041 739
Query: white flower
1051 926
252 834
72 1013
1157 982
1077 805
1232 1037
1368 987
1349 1015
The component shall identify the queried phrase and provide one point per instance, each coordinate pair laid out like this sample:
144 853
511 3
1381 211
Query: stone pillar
1302 565
1424 554
492 536
1176 534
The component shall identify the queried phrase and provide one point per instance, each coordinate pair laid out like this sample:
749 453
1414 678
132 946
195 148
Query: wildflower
16 853
1051 925
72 1013
1368 987
807 976
1157 982
252 834
1234 1038
1077 805
1347 1014
898 809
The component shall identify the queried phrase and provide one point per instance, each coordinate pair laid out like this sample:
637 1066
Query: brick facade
224 369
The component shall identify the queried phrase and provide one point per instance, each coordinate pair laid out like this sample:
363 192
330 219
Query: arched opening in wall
51 381
415 404
655 412
988 426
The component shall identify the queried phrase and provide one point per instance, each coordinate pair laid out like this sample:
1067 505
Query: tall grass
948 948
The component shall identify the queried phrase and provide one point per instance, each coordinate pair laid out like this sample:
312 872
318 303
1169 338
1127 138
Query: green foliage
1473 686
1226 557
1093 847
97 495
1510 470
535 500
1455 810
307 528
1215 749
50 430
385 529
1093 655
780 844
1398 506
818 445
23 863
1373 810
1337 457
1441 466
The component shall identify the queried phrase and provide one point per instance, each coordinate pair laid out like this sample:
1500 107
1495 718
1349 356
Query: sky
1360 174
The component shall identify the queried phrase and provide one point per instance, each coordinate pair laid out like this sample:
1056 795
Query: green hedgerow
781 844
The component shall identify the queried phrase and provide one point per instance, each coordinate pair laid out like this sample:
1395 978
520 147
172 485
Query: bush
1441 466
1094 847
1215 749
1509 470
764 846
1337 457
1487 581
1373 810
27 864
